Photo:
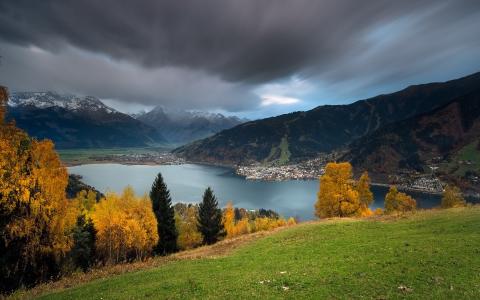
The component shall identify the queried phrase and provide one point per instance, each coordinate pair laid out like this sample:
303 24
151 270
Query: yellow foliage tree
34 226
243 226
364 192
291 221
186 223
452 197
246 225
396 201
229 220
85 201
337 196
126 227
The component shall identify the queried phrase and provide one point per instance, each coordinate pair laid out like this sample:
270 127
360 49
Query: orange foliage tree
126 227
337 196
34 222
250 224
365 194
396 201
229 220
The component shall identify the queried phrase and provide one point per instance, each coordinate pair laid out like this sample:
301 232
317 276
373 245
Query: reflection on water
187 183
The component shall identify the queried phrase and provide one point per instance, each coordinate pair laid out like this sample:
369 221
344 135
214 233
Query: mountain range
424 140
302 135
181 126
73 121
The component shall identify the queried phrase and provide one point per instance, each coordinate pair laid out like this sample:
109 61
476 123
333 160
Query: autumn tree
126 227
364 193
396 201
34 229
186 222
291 221
452 197
210 218
165 214
337 196
85 201
229 220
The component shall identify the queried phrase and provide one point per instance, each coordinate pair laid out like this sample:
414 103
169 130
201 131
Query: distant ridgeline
406 129
78 122
73 121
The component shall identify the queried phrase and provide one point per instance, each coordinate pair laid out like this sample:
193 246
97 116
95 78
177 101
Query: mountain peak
181 126
49 99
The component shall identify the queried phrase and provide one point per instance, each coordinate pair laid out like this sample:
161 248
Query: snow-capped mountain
73 121
183 126
44 100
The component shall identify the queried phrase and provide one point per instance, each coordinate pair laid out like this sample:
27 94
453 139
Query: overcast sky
252 58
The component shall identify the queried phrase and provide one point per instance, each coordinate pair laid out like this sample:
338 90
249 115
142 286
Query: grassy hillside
432 254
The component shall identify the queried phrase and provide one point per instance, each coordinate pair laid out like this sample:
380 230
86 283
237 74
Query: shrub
396 201
452 197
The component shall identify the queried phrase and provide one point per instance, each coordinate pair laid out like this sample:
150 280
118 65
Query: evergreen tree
165 214
210 218
83 250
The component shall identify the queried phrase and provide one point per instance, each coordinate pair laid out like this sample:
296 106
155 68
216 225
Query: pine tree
165 214
83 250
210 218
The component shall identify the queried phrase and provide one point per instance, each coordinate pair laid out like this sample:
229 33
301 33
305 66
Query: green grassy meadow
84 156
428 255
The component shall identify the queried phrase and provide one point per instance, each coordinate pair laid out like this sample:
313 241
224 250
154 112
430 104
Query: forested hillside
303 135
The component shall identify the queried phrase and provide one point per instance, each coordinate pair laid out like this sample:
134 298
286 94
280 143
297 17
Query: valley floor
432 254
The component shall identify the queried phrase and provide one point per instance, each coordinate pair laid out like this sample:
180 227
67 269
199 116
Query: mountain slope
303 135
184 126
78 122
413 143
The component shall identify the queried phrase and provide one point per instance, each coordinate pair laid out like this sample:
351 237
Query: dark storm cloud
215 54
239 40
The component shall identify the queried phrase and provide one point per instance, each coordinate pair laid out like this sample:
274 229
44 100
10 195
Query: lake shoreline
70 163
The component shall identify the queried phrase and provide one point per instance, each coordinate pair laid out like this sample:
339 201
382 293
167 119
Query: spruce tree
83 250
165 214
210 218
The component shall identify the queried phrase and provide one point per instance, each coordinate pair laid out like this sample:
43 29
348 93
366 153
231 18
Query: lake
187 183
